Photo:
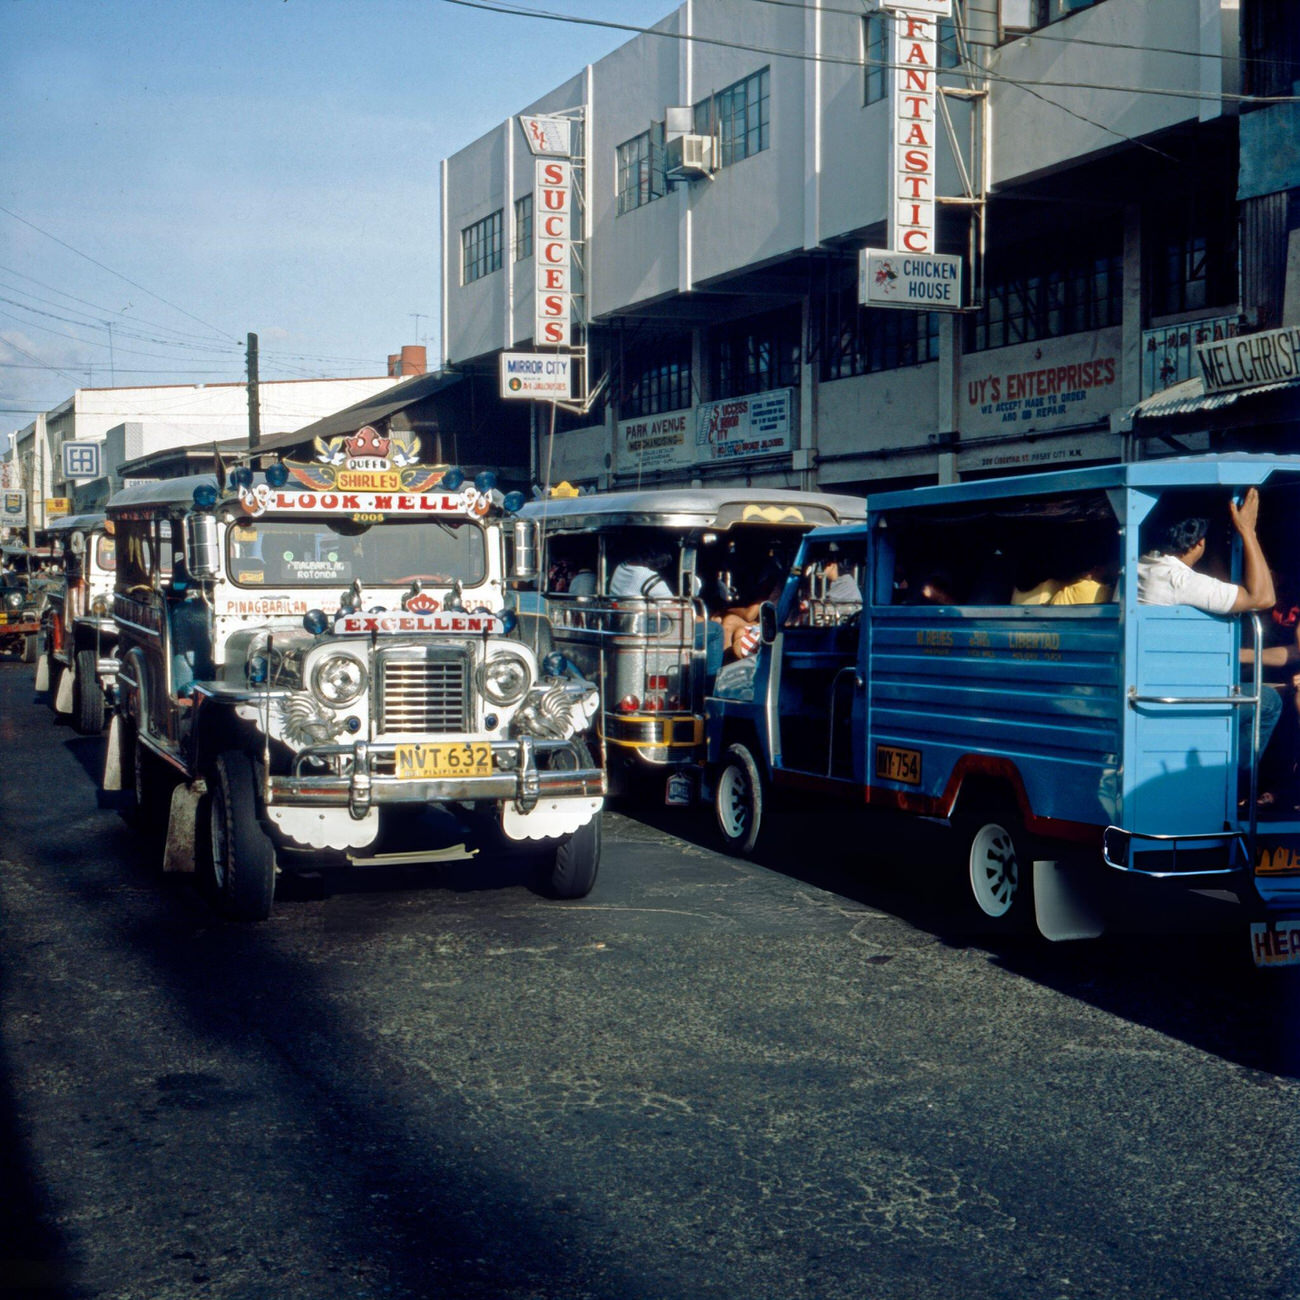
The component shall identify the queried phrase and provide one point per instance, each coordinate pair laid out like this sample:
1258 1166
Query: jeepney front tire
87 697
239 854
738 801
999 866
31 646
572 873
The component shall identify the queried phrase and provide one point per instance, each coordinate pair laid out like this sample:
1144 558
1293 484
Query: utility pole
254 406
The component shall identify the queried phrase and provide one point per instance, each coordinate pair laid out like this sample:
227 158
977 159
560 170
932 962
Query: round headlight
338 679
13 600
99 606
504 679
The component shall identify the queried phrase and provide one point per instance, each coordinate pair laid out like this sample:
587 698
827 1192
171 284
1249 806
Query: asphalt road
798 1078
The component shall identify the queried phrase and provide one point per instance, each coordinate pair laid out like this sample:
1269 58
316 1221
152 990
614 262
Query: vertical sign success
552 248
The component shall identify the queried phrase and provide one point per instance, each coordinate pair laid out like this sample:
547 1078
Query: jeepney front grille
425 694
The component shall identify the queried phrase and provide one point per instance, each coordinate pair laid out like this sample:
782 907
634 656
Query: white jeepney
312 653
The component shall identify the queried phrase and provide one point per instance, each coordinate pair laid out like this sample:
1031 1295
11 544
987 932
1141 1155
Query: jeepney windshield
326 552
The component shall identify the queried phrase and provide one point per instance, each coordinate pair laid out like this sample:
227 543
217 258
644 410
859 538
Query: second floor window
639 171
659 380
741 116
523 227
755 355
480 248
1046 292
1193 255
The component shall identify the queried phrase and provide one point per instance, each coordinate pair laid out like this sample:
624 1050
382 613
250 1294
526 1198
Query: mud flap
63 700
182 827
1065 902
43 673
113 754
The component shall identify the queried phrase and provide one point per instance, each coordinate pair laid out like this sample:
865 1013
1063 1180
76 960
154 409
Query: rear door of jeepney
1179 775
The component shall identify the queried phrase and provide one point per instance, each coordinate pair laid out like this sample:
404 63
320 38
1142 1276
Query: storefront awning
370 411
1190 398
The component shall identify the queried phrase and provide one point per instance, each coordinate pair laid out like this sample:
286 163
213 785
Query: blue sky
243 165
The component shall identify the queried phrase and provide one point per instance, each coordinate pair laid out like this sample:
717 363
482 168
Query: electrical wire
1041 34
521 11
127 279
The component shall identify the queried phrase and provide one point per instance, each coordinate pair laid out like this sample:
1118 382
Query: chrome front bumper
515 776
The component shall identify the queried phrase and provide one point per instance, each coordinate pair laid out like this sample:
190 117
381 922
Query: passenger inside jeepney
1175 544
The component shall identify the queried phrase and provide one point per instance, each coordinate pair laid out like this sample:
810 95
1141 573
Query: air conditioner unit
689 155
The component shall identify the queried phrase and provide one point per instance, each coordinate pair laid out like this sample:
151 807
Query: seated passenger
643 575
1094 586
740 635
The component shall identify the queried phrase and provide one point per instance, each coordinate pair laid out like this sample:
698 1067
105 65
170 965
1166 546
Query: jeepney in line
655 660
24 593
314 652
78 666
1064 743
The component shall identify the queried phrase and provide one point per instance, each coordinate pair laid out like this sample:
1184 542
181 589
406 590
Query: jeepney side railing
1244 838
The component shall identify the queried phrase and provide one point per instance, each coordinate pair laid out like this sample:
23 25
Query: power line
127 279
1041 34
520 11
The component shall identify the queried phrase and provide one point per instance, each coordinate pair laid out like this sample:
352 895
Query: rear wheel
87 697
738 800
240 854
999 867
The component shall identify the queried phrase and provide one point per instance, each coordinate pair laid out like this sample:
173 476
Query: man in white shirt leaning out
1167 575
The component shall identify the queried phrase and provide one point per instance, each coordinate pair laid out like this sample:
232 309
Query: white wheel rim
994 870
733 802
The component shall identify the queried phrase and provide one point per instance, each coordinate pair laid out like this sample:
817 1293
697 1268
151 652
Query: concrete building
1127 177
128 423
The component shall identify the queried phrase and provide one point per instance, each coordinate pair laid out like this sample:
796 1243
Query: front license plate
894 764
1275 943
426 762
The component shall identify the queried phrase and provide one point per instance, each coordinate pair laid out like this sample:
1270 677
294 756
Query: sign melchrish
1269 357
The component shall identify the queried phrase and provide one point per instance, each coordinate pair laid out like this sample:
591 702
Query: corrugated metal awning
368 411
1190 398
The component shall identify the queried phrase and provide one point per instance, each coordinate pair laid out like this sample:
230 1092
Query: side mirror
202 547
767 622
524 566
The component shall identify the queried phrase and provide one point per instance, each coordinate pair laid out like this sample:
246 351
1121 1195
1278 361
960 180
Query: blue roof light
205 496
514 501
485 481
276 475
453 479
241 478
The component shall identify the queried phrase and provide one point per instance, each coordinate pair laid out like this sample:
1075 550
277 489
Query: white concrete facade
158 417
1097 121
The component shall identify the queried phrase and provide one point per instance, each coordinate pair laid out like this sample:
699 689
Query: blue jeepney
1059 739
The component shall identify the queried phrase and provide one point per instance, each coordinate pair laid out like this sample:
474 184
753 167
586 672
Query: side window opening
1048 550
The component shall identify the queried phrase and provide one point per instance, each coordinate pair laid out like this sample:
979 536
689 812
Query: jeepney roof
1237 469
77 523
174 493
688 508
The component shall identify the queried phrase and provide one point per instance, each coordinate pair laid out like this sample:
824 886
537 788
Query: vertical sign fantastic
914 54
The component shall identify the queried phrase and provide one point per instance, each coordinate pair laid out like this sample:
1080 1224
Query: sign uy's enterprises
1032 387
